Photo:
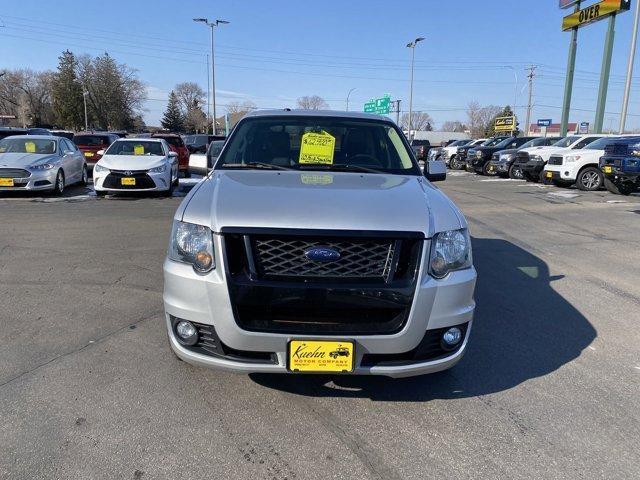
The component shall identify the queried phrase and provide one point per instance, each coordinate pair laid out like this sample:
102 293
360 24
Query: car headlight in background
478 154
192 244
572 158
450 250
42 166
505 158
97 168
159 169
536 158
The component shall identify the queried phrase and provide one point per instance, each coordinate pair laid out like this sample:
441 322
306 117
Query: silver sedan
40 162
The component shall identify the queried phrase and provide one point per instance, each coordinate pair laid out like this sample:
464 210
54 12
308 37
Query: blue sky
275 51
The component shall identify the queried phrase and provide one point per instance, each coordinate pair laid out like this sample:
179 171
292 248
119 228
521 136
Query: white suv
581 168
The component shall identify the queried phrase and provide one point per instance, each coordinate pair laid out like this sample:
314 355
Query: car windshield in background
460 143
136 148
318 143
215 147
27 145
195 139
91 140
565 142
532 143
491 142
600 143
174 141
503 143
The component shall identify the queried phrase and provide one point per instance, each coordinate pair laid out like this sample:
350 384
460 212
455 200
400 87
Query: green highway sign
378 105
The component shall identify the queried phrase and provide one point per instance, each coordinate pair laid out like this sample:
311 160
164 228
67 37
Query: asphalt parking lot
548 388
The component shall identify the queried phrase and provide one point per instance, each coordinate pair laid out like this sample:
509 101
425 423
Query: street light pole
212 25
412 46
348 95
627 87
86 119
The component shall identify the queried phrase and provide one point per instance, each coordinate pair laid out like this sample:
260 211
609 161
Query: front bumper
156 182
205 299
500 167
38 180
564 173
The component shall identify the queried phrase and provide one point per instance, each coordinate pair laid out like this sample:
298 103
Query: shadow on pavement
523 329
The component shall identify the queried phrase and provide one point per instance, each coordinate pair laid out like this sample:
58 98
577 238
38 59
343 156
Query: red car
177 145
89 143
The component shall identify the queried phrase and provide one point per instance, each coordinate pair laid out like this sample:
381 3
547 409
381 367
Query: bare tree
314 102
453 126
190 94
420 121
238 110
27 95
480 118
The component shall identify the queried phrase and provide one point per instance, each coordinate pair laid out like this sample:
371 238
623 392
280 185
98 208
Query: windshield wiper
268 166
353 168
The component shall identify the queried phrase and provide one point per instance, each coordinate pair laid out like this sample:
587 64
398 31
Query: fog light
203 262
451 338
187 333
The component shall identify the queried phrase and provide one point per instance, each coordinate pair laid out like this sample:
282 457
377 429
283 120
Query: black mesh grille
114 180
14 173
616 149
555 160
521 157
359 258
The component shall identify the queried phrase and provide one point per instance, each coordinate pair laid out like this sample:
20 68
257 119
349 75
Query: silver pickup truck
317 245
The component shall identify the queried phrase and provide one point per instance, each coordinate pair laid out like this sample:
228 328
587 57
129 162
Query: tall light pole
86 119
627 87
348 95
212 25
412 46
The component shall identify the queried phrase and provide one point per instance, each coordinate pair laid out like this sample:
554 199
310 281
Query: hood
131 162
320 200
509 151
21 160
538 149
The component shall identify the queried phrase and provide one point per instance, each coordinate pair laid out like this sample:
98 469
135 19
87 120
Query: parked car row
590 162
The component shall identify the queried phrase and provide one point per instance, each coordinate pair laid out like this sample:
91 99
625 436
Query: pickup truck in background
620 166
503 164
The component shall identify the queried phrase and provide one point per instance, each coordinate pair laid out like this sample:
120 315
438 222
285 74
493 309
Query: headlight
536 158
450 251
572 158
635 153
192 244
446 154
159 169
505 158
478 154
97 168
42 166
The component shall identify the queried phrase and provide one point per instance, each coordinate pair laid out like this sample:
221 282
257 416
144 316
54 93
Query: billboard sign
545 122
595 12
505 124
584 127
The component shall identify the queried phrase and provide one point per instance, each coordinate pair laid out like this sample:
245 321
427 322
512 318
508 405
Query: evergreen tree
66 93
173 119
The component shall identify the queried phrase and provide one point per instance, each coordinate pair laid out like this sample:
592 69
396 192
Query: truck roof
316 113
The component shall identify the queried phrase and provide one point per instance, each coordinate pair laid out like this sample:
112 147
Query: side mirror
198 164
435 171
173 154
100 152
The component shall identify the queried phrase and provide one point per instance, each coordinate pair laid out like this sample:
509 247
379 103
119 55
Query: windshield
195 139
601 143
318 143
565 142
91 140
491 142
504 143
28 145
141 148
459 143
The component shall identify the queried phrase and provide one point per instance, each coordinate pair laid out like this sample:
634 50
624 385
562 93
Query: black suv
620 165
199 142
503 164
478 158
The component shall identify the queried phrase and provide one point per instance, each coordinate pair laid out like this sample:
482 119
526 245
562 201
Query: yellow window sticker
317 148
138 149
30 147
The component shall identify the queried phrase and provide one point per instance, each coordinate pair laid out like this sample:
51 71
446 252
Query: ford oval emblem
322 254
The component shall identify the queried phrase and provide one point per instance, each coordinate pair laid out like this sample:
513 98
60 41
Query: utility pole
604 75
208 97
86 119
532 73
568 86
627 87
398 112
412 46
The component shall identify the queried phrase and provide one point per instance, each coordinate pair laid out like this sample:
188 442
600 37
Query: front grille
521 157
616 149
113 180
555 160
14 173
359 258
274 288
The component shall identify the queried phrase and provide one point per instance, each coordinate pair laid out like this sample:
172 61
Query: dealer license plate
128 181
88 154
6 182
549 174
320 356
607 169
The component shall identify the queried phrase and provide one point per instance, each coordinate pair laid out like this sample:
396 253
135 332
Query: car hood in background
320 200
131 162
22 160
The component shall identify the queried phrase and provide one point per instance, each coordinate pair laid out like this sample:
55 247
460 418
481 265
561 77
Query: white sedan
136 165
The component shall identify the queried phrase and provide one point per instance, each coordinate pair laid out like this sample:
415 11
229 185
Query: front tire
515 172
590 179
485 170
58 188
85 176
619 188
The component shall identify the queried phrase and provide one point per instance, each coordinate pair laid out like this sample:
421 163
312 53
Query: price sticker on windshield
317 148
138 149
30 147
